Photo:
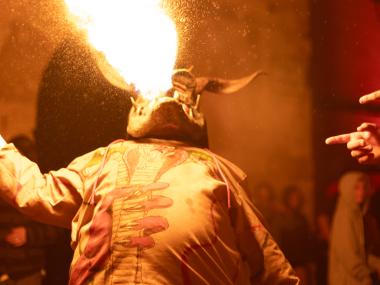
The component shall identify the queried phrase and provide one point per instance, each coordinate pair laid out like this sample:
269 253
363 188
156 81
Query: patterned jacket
150 212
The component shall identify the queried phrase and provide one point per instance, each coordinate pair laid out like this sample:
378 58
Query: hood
347 185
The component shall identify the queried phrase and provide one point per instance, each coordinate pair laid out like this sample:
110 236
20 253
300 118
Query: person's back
77 111
153 212
161 218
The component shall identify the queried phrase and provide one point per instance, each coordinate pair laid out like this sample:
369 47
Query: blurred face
263 195
361 192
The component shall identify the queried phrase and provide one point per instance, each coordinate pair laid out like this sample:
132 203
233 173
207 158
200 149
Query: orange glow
137 38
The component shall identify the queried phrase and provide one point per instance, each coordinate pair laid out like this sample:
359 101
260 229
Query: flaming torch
136 41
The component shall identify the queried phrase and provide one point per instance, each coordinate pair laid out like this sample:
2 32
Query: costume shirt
151 212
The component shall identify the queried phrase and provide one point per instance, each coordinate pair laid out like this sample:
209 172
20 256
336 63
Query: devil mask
174 114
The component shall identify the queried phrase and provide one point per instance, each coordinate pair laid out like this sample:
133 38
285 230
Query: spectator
22 240
323 232
372 227
294 234
264 198
349 262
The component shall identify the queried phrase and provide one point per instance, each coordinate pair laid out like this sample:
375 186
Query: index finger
340 139
374 96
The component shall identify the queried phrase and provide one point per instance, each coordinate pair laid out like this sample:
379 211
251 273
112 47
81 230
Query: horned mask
174 114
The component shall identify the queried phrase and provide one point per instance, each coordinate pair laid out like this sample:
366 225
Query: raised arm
51 198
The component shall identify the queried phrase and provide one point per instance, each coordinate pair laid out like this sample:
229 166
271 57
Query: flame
137 38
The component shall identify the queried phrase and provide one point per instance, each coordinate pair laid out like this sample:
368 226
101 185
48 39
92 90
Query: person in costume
158 208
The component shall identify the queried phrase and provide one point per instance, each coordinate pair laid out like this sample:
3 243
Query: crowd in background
342 240
25 245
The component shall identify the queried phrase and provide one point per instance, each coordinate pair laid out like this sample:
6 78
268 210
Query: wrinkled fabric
349 263
152 212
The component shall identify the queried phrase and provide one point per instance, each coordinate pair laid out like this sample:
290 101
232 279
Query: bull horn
216 85
112 76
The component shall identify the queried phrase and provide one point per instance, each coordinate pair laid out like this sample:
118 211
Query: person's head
361 192
263 194
354 188
292 198
173 114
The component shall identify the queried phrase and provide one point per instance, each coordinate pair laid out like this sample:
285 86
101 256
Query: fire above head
177 116
136 38
136 44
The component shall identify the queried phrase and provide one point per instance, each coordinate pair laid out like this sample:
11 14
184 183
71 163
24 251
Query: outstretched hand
364 144
372 97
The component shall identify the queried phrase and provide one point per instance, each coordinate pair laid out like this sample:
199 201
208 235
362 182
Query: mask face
175 114
168 116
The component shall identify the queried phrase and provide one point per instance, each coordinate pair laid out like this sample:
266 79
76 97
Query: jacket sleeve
347 248
267 263
269 267
52 198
